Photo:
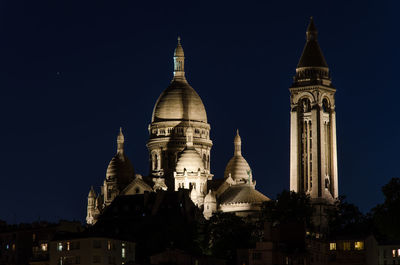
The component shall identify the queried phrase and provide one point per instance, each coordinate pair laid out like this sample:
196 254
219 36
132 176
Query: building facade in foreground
91 250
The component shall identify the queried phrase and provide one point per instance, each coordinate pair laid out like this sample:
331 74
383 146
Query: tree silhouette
346 218
289 207
226 233
386 216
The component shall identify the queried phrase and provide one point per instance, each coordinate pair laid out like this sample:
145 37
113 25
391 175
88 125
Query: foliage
346 218
289 207
386 216
225 233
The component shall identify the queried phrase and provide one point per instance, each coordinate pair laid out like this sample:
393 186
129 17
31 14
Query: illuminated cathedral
179 146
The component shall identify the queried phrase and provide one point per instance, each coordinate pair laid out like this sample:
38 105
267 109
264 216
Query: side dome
120 168
179 102
237 167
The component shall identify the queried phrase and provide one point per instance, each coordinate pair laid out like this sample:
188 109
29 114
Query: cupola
238 168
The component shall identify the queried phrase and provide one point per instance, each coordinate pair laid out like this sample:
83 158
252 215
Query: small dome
237 167
121 168
210 197
190 160
179 102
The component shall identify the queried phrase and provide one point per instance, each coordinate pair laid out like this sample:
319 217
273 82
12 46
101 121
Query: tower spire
120 142
312 55
238 144
179 61
312 32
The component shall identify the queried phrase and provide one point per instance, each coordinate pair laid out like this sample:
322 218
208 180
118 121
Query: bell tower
313 155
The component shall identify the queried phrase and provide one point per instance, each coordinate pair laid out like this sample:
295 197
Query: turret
210 205
238 144
91 206
120 172
179 61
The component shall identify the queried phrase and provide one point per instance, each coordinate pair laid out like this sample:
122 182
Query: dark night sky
73 72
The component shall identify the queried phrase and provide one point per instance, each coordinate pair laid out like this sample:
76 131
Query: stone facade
91 250
179 154
313 155
179 147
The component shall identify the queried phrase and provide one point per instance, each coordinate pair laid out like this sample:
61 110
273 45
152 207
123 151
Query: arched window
305 105
155 164
325 105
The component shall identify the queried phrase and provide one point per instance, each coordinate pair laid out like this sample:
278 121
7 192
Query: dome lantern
238 144
120 141
179 61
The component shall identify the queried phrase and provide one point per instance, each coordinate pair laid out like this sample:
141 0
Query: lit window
332 246
60 246
33 237
359 245
43 246
108 245
13 247
7 246
398 252
394 253
346 245
123 252
68 245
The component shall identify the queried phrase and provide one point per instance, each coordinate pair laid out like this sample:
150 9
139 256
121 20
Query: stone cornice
311 88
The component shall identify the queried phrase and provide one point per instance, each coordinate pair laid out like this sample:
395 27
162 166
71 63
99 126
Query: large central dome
179 102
